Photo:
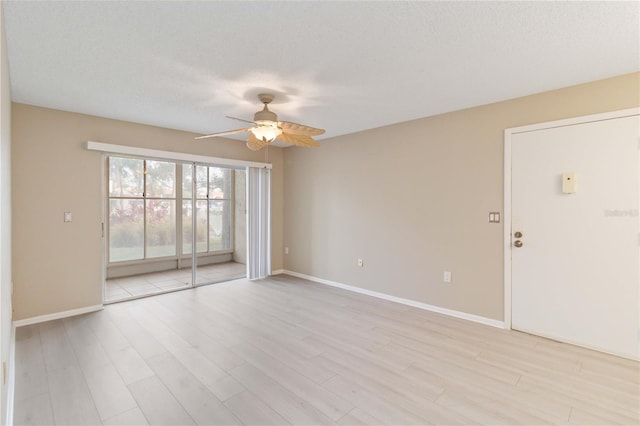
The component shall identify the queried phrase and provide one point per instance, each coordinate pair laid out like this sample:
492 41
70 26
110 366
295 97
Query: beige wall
412 199
5 213
56 265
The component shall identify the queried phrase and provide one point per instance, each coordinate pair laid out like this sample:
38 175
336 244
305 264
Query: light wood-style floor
287 351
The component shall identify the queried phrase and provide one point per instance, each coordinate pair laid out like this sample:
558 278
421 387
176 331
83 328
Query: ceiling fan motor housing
265 115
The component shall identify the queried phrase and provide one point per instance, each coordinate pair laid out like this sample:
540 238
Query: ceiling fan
266 128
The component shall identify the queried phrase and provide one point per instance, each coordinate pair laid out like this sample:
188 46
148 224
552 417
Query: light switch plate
67 216
494 217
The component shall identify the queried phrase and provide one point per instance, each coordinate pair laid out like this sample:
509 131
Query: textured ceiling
342 66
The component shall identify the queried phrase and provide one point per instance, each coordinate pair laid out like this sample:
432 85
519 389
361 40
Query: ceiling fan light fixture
267 128
266 131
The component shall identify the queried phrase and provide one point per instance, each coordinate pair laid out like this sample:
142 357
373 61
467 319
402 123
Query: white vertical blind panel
259 218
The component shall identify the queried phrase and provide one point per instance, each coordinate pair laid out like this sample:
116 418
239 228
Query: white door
576 276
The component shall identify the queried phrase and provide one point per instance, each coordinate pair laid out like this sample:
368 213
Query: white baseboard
278 271
420 305
11 380
57 315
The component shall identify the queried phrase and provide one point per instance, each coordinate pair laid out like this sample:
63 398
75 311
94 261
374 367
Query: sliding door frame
184 158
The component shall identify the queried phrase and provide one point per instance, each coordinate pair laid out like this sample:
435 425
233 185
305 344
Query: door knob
518 234
517 243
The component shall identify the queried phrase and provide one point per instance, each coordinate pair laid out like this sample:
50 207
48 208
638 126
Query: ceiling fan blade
239 119
299 129
298 140
230 132
254 143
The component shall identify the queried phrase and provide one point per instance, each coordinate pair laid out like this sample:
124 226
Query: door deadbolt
518 234
517 243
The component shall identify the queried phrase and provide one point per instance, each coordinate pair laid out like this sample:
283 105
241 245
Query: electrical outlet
286 250
67 216
361 263
446 277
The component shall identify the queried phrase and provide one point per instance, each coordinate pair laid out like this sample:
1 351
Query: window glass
126 229
187 226
161 228
201 226
187 181
219 183
219 225
201 182
161 179
125 177
144 219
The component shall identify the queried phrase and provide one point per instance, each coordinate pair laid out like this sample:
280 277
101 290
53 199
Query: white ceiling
342 66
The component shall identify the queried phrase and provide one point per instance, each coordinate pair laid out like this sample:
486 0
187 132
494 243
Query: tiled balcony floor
160 282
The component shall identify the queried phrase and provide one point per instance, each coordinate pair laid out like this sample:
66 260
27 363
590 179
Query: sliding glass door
209 192
171 225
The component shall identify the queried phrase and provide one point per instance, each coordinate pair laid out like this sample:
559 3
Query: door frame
508 133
